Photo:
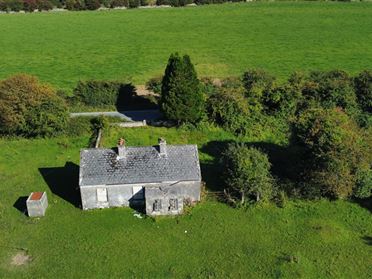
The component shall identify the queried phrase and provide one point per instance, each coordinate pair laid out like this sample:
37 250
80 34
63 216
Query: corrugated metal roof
139 165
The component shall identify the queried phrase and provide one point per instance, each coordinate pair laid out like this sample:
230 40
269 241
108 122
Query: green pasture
222 40
318 239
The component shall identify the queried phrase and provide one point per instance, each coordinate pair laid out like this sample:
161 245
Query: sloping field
222 40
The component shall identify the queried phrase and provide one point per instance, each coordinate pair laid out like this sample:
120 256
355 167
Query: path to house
134 115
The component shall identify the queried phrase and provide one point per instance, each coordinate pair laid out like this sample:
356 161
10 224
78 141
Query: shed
37 204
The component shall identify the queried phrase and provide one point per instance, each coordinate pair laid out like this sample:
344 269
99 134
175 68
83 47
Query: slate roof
100 166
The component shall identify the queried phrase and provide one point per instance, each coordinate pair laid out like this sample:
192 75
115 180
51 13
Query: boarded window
173 205
102 194
156 205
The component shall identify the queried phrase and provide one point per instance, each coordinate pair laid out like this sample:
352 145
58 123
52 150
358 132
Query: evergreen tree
181 96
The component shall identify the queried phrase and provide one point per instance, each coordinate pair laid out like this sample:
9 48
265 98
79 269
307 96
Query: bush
229 109
181 96
162 2
335 153
208 87
363 90
134 3
154 84
29 108
119 3
11 5
247 173
281 100
179 3
363 187
204 2
44 5
47 119
78 126
30 5
75 5
257 83
330 90
104 93
92 4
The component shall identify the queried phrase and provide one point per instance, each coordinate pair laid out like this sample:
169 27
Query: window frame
174 206
103 193
157 205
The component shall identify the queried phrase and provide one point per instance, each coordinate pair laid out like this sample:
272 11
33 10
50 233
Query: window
156 205
173 204
102 194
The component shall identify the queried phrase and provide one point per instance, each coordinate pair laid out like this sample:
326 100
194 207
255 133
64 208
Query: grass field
222 40
319 239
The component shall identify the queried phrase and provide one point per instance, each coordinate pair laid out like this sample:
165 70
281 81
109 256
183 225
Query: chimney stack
121 147
162 147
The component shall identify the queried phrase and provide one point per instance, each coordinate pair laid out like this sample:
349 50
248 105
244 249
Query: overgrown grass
317 239
222 40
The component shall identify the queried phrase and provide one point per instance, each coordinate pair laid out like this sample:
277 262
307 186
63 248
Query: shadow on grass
367 239
365 203
20 204
212 170
285 161
129 100
64 182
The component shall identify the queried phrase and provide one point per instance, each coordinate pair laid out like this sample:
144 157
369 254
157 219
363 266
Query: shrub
75 5
257 83
208 87
162 2
29 108
181 97
100 122
229 109
134 3
179 3
154 84
47 119
335 152
247 173
119 3
281 100
92 4
30 5
78 126
363 90
329 90
44 5
363 187
103 93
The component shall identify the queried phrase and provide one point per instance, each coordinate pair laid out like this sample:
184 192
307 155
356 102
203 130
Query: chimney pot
162 147
121 147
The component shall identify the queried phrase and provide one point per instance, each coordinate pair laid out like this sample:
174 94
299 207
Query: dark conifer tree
181 96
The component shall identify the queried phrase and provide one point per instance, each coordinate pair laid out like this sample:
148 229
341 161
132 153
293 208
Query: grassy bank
222 40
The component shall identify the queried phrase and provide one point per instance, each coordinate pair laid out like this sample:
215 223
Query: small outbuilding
160 178
37 204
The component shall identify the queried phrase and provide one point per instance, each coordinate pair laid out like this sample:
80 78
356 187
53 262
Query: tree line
79 5
327 116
